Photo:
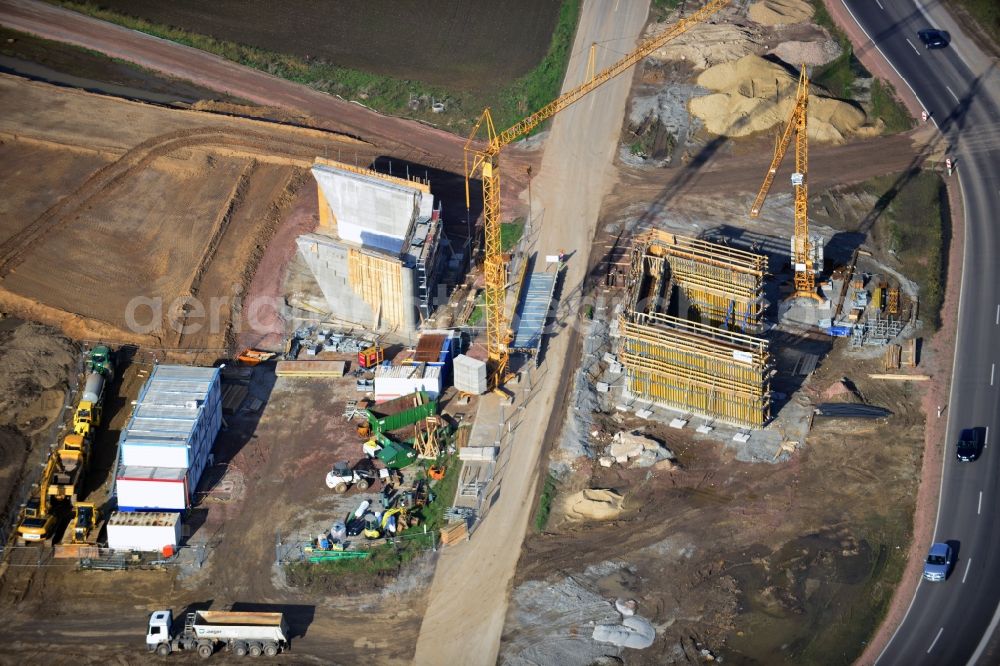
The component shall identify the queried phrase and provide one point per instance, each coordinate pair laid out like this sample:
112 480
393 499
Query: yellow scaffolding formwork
697 368
379 281
725 284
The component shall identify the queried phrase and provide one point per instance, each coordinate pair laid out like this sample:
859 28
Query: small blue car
938 563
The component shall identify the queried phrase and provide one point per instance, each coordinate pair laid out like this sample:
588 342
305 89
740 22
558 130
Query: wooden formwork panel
379 281
692 367
725 283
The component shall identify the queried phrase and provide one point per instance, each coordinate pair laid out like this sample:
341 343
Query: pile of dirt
707 44
780 12
807 53
35 365
34 361
593 504
754 95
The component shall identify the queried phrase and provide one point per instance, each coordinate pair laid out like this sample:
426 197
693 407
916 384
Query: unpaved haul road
405 139
468 599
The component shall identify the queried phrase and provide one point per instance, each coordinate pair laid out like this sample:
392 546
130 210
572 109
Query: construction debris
593 504
903 378
643 451
634 631
310 369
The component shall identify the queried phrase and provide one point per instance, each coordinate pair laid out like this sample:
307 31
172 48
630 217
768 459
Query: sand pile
809 53
780 12
754 95
706 44
593 504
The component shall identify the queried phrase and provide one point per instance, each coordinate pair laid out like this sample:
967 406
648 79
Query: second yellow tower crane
802 250
485 161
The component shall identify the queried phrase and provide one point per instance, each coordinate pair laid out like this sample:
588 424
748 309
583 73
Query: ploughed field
453 43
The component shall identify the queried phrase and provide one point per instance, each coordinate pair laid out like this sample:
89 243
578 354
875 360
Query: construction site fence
129 354
99 557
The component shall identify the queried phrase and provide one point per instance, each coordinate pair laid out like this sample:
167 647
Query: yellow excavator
67 478
37 521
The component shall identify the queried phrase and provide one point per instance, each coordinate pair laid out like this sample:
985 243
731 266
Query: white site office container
398 380
175 421
144 531
470 375
152 489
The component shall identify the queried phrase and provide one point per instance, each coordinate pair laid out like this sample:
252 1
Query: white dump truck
242 633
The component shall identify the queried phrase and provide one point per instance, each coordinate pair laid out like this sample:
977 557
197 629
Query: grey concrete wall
327 259
369 211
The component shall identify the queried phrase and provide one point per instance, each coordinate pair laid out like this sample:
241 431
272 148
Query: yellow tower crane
484 159
805 279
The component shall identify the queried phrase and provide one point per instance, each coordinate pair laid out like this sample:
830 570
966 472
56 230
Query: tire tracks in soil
14 250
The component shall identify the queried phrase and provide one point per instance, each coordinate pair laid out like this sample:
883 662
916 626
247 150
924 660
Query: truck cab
160 624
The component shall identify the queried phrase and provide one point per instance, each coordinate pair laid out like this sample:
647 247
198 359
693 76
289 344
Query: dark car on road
970 444
933 39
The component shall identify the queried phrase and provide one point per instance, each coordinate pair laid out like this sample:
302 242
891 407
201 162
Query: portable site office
174 424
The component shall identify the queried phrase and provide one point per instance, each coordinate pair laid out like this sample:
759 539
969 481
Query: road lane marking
952 93
998 315
940 631
979 509
879 5
987 437
993 369
968 564
915 49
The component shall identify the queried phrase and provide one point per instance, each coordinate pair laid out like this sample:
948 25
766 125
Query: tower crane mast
802 251
484 160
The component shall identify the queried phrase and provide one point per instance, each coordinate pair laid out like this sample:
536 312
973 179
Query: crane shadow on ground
950 127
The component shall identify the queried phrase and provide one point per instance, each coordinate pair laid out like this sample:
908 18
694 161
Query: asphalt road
952 622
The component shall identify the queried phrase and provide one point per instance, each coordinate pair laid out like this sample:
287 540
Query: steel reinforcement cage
696 368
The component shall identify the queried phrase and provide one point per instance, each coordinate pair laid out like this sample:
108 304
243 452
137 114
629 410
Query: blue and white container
175 421
152 489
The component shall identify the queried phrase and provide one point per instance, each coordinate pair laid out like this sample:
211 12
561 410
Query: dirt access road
469 594
401 138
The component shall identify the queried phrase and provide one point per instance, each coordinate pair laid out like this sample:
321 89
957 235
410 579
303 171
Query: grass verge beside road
840 77
986 14
917 238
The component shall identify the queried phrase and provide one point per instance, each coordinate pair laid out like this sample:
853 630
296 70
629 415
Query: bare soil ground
63 64
125 200
759 563
268 481
36 368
